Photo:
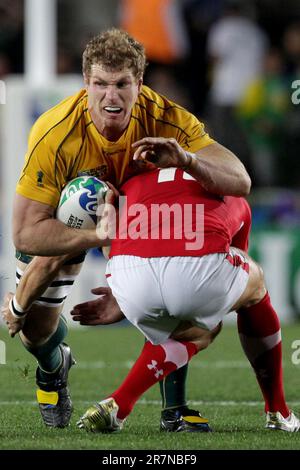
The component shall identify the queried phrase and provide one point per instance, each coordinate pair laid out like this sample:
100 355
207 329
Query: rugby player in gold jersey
108 129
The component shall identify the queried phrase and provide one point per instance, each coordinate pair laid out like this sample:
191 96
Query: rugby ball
79 201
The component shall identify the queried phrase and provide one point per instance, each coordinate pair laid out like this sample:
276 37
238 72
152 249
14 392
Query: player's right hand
103 311
13 323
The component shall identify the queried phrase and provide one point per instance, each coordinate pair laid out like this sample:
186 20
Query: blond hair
114 50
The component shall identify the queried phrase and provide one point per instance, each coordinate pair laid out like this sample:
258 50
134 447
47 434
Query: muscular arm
37 232
219 171
37 277
214 166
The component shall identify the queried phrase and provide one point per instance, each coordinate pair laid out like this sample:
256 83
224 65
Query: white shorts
157 294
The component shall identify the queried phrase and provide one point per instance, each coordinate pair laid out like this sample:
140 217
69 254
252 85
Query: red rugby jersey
166 212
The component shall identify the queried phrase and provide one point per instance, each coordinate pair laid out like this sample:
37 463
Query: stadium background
41 42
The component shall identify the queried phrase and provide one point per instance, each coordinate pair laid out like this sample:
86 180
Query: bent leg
153 364
199 336
260 336
176 415
44 331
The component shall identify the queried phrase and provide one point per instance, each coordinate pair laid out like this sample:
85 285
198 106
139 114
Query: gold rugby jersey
64 143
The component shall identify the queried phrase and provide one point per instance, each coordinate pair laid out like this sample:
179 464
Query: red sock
260 335
153 364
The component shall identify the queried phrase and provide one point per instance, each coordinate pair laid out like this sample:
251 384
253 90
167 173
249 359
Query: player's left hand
161 152
13 323
103 311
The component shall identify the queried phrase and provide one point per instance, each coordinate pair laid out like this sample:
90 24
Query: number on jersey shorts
157 294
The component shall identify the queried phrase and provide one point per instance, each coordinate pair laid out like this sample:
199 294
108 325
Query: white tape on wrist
16 308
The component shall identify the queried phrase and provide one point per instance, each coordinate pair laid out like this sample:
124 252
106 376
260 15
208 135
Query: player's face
111 96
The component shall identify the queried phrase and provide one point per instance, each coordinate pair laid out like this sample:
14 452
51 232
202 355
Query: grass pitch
221 384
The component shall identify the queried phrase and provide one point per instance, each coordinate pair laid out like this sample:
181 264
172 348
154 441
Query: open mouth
113 109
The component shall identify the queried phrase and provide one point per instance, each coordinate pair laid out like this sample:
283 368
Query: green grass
220 382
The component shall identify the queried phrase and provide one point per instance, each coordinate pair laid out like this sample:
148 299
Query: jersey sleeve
192 135
38 180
